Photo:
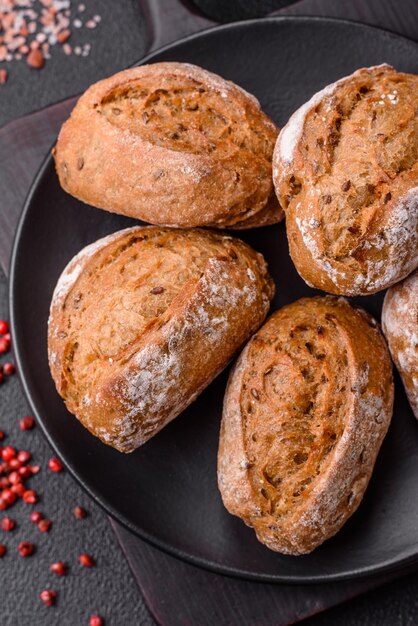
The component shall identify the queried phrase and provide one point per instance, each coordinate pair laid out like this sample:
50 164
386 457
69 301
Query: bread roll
400 326
307 406
171 144
346 173
143 320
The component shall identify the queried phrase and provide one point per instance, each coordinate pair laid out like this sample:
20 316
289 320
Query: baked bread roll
400 326
306 409
346 173
143 320
171 144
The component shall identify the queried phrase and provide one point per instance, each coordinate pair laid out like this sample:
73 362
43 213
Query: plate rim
404 563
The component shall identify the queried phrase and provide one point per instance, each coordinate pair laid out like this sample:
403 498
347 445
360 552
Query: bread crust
307 406
143 320
171 144
400 326
345 169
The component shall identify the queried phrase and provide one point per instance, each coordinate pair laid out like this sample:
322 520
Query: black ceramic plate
166 491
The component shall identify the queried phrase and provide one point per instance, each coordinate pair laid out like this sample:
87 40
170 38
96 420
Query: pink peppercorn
79 512
25 548
59 568
48 597
8 497
8 524
26 423
35 517
8 453
9 369
86 560
30 497
4 345
44 525
24 456
55 465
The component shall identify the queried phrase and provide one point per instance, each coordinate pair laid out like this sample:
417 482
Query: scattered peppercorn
8 524
44 525
26 423
4 327
30 497
9 369
14 478
1 435
59 568
55 465
4 345
35 59
86 560
3 550
8 453
25 548
8 497
18 489
15 464
48 597
35 517
79 512
25 472
24 456
96 620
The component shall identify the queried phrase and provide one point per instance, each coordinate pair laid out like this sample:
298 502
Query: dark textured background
109 589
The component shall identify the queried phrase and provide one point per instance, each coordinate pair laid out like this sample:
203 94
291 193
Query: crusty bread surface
400 326
307 406
171 144
143 320
345 168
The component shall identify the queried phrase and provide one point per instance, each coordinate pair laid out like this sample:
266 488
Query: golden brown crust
143 320
346 172
400 326
172 144
305 412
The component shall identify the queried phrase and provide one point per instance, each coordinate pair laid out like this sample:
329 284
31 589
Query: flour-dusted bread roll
143 320
171 144
305 412
346 173
400 326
